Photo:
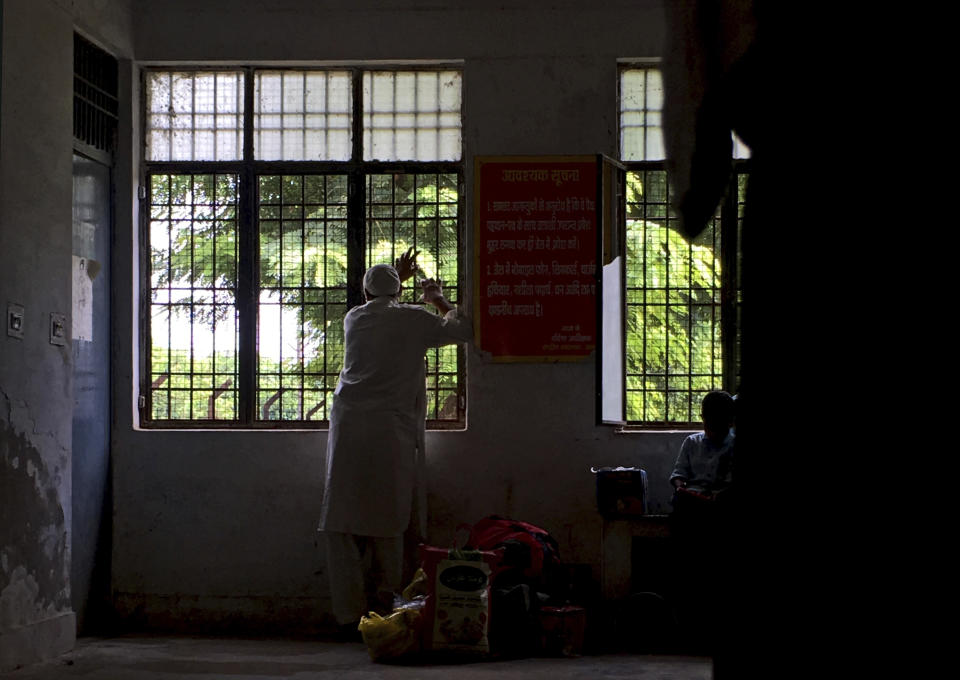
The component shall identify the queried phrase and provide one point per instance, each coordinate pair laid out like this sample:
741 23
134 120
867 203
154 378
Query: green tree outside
674 352
303 279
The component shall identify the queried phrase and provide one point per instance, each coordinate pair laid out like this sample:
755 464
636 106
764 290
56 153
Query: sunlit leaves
302 269
674 351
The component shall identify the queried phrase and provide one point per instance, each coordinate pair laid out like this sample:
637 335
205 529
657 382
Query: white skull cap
381 279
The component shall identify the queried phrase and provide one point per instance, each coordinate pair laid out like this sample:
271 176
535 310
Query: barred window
421 209
263 208
682 296
193 296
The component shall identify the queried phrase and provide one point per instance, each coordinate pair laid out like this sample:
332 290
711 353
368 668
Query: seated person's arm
681 469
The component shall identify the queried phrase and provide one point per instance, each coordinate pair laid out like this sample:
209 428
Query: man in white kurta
375 457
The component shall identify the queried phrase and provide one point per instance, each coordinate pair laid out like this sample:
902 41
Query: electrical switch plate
15 320
58 329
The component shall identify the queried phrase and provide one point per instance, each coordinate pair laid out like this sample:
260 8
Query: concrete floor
177 658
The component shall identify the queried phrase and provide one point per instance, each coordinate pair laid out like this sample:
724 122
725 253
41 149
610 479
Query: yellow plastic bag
419 587
392 636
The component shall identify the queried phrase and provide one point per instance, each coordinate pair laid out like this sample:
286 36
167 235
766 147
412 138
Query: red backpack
525 545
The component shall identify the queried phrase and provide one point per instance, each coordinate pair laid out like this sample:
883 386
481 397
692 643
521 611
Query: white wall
218 526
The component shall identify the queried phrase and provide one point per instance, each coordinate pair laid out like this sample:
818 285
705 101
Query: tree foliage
302 265
674 351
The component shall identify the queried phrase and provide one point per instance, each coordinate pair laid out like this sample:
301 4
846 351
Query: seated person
704 468
700 523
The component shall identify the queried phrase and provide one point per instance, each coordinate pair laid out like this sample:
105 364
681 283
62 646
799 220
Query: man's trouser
364 572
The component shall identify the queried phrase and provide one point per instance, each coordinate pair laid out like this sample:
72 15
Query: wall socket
15 320
58 329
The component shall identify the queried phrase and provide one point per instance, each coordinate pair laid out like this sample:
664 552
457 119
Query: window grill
193 308
262 174
95 104
682 296
732 340
303 294
422 210
674 350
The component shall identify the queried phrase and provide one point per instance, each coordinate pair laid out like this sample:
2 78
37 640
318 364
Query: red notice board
535 245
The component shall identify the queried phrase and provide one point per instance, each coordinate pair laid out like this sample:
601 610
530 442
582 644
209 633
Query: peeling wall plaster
34 560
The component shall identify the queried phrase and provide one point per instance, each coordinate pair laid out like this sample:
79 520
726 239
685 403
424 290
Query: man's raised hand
406 264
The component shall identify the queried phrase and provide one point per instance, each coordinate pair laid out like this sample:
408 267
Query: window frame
729 215
248 171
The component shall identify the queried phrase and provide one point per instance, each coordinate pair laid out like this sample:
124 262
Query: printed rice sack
457 610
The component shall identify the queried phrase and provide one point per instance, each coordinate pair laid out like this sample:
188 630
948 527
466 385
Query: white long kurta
375 450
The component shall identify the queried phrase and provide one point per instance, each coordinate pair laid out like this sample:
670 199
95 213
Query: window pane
300 226
404 210
303 294
740 149
412 115
420 210
673 322
641 117
741 204
641 104
302 115
193 266
194 116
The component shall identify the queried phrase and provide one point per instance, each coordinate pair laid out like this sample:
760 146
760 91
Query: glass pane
641 105
303 115
740 149
412 115
194 115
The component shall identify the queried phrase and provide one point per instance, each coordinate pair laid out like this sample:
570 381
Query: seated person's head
717 411
381 280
